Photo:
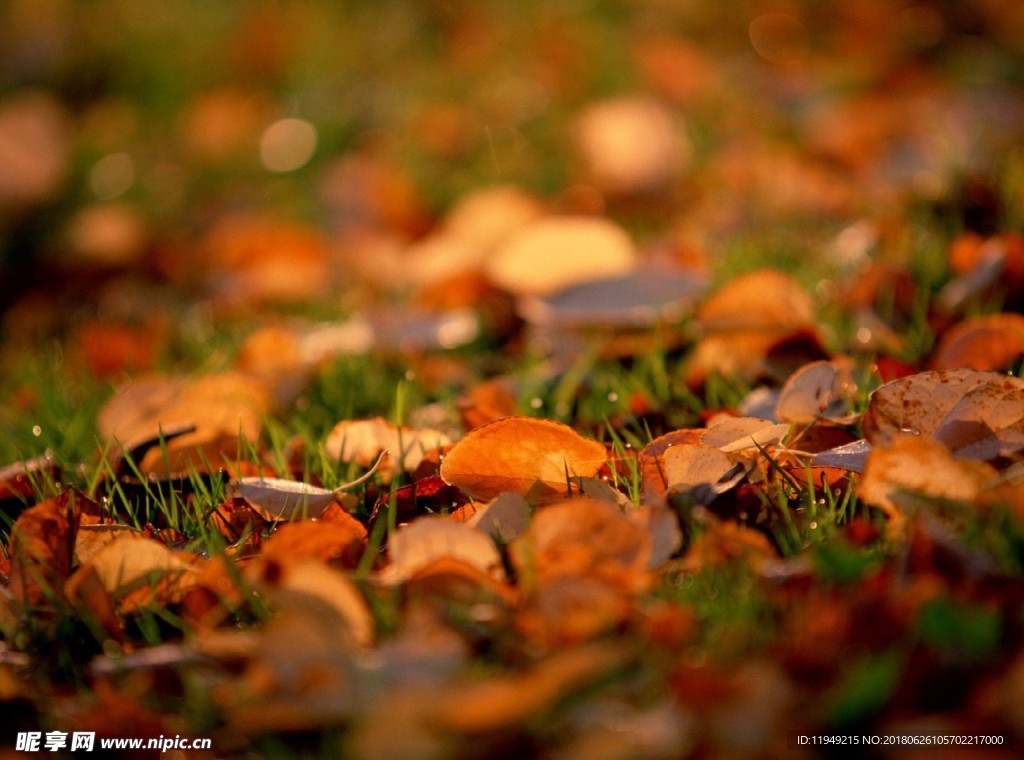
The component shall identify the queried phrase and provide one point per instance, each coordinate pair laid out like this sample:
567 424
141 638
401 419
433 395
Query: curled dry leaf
556 252
423 541
41 551
731 434
221 407
132 570
362 441
525 455
702 471
991 342
908 467
651 460
279 498
975 414
821 390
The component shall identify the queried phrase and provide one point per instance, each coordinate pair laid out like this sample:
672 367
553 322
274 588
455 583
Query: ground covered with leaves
581 380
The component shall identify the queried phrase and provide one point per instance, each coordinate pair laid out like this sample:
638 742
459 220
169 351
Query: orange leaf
553 253
518 453
991 342
42 541
910 465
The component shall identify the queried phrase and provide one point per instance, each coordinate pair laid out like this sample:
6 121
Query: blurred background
268 154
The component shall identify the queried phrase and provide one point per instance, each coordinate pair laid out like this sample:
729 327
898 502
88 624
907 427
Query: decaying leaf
525 455
700 470
975 414
821 390
555 252
421 542
651 460
362 441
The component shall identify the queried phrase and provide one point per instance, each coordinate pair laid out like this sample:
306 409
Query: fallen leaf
525 455
307 575
651 460
327 542
580 537
275 498
822 390
41 545
126 573
991 342
850 456
975 414
906 468
700 470
222 408
731 434
765 300
502 518
362 441
553 253
421 542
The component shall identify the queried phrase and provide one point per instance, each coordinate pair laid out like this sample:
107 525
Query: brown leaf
991 342
521 454
42 542
975 414
766 300
427 539
129 563
329 542
907 467
502 518
307 576
362 441
731 434
221 407
580 537
652 460
822 390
